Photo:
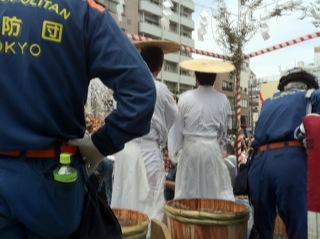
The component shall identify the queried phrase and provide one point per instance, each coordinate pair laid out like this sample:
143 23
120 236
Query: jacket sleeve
112 58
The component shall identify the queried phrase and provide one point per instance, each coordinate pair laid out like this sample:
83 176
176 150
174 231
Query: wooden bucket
134 225
279 229
206 218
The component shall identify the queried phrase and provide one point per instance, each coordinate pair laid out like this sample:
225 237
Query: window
175 7
227 86
173 27
151 19
186 32
231 101
184 72
244 103
186 12
171 66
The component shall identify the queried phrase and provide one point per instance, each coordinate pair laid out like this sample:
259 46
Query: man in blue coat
277 176
49 52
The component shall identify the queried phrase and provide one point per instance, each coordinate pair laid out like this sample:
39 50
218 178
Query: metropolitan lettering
44 4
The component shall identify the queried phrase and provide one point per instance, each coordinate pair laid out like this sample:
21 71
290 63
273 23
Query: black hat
298 75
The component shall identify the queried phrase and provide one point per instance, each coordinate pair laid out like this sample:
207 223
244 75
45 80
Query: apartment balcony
171 36
187 41
187 80
175 77
154 30
155 9
176 57
187 22
150 7
169 76
173 57
174 17
184 58
187 3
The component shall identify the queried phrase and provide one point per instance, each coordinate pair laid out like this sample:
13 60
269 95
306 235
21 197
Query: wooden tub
206 218
134 224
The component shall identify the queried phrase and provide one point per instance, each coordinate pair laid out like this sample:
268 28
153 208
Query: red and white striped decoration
284 44
238 114
136 37
204 53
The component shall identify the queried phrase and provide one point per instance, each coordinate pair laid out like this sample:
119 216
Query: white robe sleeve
175 137
223 140
171 110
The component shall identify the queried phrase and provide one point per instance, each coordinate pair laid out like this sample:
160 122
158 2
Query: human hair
153 56
298 75
206 79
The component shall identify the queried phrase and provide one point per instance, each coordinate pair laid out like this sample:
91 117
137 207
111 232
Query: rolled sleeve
113 59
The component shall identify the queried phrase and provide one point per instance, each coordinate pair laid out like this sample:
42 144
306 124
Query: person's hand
91 155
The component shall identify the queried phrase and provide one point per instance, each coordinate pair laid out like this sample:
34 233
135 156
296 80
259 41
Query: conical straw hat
166 46
207 66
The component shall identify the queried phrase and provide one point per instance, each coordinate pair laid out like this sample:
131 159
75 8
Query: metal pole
251 108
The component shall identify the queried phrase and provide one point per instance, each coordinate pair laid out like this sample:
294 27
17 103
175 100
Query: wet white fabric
201 171
313 225
196 141
145 183
129 189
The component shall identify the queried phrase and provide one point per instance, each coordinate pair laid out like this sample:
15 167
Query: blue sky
280 29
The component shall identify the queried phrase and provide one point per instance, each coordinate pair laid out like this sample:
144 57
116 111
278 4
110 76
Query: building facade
314 67
143 17
225 83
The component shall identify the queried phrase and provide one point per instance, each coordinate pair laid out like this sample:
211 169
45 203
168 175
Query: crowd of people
152 139
282 140
181 150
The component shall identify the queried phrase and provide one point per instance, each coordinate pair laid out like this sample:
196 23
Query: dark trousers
277 181
33 205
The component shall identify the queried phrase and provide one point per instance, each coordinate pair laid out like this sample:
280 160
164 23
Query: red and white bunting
136 37
284 44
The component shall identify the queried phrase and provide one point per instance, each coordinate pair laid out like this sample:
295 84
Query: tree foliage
234 33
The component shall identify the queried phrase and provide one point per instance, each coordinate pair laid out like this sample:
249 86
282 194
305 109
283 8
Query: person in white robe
197 139
139 174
